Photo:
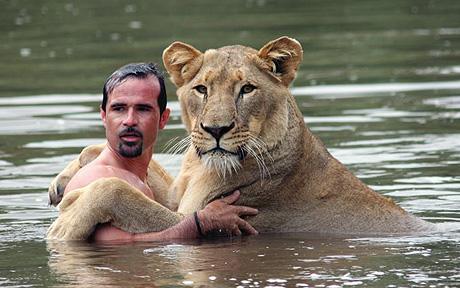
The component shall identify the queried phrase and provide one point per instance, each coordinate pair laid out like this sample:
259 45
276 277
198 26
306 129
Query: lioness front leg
58 184
109 200
158 178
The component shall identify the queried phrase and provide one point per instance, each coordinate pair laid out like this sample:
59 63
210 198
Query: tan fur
58 184
300 187
285 171
109 200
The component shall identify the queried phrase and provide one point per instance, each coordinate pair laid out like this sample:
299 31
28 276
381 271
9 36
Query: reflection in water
292 260
379 84
219 263
83 265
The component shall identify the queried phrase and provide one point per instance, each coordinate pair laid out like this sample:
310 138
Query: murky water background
380 84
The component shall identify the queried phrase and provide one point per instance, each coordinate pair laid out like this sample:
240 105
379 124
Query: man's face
132 117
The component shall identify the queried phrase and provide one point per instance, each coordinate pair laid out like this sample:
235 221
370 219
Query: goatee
130 149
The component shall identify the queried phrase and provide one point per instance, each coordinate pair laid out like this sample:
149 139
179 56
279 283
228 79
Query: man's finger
247 228
246 211
236 231
230 199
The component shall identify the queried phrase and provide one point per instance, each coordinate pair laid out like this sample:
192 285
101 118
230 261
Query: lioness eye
201 89
248 88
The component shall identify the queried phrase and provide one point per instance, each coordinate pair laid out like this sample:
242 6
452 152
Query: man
133 110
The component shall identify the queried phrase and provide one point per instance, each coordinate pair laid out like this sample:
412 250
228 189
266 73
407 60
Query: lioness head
234 99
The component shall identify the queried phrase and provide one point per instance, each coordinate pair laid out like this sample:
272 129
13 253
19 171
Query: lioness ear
282 56
182 62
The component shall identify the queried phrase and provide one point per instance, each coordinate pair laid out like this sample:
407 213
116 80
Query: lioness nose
218 132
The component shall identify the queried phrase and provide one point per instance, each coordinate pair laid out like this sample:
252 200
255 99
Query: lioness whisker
169 144
260 166
262 147
265 152
263 169
180 146
223 166
235 165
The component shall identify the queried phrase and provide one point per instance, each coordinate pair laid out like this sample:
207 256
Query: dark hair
135 70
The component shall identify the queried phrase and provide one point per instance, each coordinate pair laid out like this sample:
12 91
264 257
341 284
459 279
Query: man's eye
201 89
118 108
144 109
248 88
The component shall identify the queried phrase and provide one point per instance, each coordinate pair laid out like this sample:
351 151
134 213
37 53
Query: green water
71 46
393 119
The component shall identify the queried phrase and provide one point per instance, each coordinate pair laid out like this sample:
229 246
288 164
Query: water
379 84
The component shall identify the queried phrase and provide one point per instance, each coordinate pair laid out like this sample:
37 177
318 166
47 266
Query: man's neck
136 165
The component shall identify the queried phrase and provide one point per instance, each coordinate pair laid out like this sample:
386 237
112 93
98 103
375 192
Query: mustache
131 131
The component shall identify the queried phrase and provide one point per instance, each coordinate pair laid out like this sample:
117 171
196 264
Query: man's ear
182 62
103 115
282 57
164 117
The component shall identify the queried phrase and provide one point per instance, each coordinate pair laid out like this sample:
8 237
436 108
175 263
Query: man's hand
222 215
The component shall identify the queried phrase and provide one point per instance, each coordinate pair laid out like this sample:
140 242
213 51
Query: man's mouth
132 136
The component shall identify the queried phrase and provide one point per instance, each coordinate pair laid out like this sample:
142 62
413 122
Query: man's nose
130 119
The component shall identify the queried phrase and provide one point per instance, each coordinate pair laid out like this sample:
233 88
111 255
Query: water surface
379 84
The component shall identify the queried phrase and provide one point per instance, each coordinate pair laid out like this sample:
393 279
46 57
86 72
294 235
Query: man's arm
186 229
219 214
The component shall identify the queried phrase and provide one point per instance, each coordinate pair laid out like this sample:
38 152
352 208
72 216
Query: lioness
247 133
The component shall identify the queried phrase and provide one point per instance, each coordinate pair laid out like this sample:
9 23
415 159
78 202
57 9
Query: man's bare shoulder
95 171
91 173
